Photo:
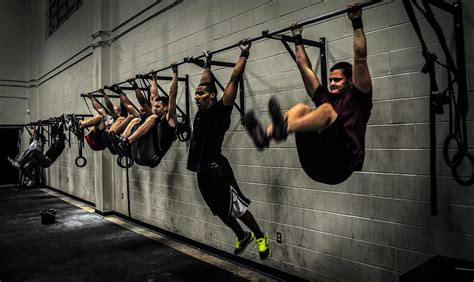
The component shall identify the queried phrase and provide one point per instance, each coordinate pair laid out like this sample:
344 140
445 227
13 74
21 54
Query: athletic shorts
108 142
220 191
144 151
94 139
327 156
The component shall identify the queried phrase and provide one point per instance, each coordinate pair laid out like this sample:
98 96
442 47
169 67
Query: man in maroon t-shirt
331 138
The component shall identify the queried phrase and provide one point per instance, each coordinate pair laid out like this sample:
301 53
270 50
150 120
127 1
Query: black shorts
221 192
327 156
109 143
144 151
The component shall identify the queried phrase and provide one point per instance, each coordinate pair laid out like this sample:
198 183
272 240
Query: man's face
338 82
203 98
159 108
117 110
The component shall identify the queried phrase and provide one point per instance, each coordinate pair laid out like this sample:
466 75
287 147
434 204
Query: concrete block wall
14 100
373 227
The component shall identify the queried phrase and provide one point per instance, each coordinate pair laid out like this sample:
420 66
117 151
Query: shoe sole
245 248
255 129
277 119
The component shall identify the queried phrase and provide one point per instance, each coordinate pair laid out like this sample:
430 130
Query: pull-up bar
265 34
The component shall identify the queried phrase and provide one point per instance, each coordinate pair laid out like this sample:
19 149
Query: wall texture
14 100
373 227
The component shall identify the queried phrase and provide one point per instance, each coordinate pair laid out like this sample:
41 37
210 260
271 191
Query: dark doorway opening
9 148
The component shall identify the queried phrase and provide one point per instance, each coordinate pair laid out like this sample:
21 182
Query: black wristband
298 39
245 54
357 23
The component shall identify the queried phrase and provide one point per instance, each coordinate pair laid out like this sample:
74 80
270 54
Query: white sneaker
14 163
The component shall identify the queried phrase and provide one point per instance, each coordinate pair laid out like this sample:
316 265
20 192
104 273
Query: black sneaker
280 123
241 245
66 122
256 131
123 145
13 163
75 126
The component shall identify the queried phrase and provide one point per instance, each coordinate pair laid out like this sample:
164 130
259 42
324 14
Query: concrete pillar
104 173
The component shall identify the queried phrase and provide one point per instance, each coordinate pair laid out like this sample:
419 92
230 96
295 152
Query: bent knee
328 111
152 118
302 107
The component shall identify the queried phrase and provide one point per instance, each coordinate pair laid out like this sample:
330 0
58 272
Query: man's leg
141 98
90 121
128 105
109 104
318 119
143 129
97 106
243 238
117 123
35 155
128 131
262 239
122 125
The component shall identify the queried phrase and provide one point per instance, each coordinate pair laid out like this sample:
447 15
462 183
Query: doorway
9 148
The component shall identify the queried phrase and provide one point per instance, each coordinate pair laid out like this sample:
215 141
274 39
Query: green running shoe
263 247
241 245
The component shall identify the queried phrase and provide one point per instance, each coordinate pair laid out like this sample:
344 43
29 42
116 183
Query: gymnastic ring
183 135
458 157
454 170
128 162
81 161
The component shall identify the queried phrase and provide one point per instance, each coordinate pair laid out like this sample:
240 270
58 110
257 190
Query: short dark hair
163 99
210 87
345 67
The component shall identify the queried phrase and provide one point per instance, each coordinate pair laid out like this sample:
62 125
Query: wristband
357 23
245 54
298 39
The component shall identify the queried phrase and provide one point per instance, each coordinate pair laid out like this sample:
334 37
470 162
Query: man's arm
109 104
96 105
360 69
141 98
310 80
124 100
173 92
154 87
230 92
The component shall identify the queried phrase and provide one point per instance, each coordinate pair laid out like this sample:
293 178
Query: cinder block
384 233
411 161
374 254
286 177
381 113
335 245
388 137
333 202
379 160
407 260
418 213
457 218
410 110
363 206
391 87
267 12
287 215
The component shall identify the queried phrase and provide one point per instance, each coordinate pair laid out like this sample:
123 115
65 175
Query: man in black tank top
149 138
216 180
331 138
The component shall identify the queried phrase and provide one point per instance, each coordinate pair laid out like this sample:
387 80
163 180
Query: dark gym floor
83 246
